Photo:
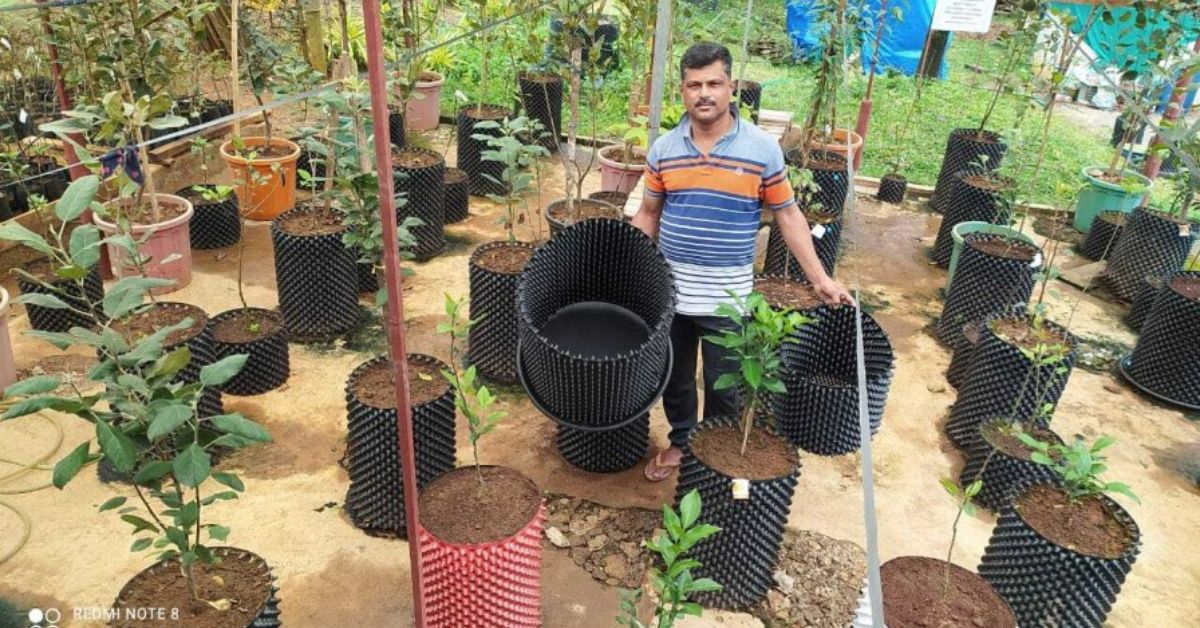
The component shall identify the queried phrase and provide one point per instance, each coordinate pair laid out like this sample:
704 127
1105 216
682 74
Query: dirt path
330 573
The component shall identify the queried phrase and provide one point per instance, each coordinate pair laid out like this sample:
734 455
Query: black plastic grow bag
892 188
595 308
458 198
749 95
965 202
375 499
1166 360
493 339
1049 585
57 320
470 151
962 149
606 451
826 239
316 279
367 277
396 127
743 555
1150 246
1143 302
829 173
556 224
1101 240
1005 382
542 101
1002 474
424 191
960 361
819 412
269 362
214 224
984 284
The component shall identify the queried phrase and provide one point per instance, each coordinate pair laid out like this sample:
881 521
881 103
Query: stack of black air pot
595 308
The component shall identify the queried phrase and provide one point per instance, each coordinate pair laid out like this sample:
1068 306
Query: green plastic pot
963 229
1101 196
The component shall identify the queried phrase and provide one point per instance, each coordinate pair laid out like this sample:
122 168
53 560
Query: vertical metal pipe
395 306
658 68
874 586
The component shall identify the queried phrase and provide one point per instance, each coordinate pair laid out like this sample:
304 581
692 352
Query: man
706 184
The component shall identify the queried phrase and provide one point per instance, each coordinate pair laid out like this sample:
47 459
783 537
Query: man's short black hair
704 54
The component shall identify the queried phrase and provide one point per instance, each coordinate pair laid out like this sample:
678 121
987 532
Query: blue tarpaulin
900 47
1116 43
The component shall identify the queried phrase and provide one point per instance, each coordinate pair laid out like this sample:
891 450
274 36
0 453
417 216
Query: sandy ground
331 574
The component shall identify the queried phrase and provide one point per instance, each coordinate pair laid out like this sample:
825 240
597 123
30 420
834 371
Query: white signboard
963 16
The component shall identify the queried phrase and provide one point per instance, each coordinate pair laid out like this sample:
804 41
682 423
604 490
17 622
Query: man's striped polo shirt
712 209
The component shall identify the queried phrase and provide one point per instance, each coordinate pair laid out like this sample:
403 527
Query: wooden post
234 76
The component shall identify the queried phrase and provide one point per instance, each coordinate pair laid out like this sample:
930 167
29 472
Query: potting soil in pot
743 556
494 269
259 334
826 234
787 292
61 320
315 272
964 147
481 548
240 576
560 215
921 592
1005 382
819 411
375 499
1060 562
1166 360
214 224
994 274
1003 463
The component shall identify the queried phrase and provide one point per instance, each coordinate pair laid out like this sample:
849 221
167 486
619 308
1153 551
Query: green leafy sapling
1078 465
516 147
145 416
963 496
759 331
212 193
634 135
673 582
473 400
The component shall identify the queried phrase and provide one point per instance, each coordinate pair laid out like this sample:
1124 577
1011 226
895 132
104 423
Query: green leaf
727 380
116 447
127 293
152 471
974 488
752 370
672 523
192 466
240 426
14 231
166 419
77 198
42 299
58 339
951 487
1123 489
36 404
689 508
141 544
173 362
178 537
115 502
218 532
36 385
222 370
230 480
167 122
84 247
139 524
69 465
704 585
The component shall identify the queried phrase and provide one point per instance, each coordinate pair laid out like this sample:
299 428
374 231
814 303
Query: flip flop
657 470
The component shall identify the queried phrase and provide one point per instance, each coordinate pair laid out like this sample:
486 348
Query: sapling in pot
145 420
673 583
513 143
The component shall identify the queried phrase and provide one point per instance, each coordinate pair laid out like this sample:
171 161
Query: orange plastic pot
271 189
838 145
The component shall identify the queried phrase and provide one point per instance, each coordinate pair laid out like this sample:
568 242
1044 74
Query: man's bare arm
649 215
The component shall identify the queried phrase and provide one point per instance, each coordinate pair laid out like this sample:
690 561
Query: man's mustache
705 101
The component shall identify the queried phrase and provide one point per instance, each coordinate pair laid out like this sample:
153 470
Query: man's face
706 92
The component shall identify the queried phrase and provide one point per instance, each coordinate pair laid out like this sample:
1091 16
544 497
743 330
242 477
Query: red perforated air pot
489 585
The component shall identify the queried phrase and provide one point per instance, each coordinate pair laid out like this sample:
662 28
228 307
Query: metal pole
395 306
1173 112
874 586
662 37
